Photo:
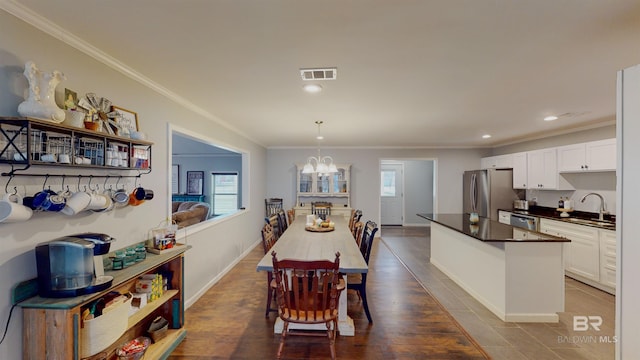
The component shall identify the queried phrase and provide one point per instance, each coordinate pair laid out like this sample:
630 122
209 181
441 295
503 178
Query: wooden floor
228 322
511 341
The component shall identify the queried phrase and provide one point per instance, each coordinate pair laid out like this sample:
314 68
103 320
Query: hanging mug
12 210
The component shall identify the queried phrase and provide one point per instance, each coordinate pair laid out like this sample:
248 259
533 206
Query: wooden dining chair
268 240
273 221
321 209
357 232
307 293
358 282
282 221
272 206
291 214
354 218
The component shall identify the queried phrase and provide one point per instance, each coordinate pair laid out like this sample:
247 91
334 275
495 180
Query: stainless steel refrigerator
486 191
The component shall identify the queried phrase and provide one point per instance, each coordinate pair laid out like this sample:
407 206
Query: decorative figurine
41 102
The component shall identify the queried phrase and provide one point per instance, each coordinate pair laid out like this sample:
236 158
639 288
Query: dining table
301 244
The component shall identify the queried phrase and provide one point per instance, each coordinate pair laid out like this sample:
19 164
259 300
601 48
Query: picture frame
175 179
70 99
127 121
195 182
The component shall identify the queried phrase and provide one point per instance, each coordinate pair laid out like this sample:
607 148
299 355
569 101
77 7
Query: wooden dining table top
298 243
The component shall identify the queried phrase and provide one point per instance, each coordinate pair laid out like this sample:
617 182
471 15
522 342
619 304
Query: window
224 192
388 183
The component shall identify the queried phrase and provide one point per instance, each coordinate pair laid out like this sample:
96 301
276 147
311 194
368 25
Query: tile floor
511 341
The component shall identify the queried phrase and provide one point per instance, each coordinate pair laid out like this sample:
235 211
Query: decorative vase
41 102
474 218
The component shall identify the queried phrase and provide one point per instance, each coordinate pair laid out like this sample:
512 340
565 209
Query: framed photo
195 182
70 99
175 179
127 121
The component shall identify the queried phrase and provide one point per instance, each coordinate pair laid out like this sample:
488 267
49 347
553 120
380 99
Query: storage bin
99 333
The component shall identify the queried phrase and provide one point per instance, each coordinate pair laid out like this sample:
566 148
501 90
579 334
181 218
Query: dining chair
268 240
273 221
272 206
355 217
282 221
358 282
321 209
307 293
291 214
357 232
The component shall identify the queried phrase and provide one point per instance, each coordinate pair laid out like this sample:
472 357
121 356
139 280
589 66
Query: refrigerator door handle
473 192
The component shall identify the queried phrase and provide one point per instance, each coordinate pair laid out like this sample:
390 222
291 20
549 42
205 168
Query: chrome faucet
603 211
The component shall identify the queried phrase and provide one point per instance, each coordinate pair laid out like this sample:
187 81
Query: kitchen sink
602 223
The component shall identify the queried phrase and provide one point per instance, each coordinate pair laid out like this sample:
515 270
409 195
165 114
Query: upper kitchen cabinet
497 162
591 156
520 180
542 171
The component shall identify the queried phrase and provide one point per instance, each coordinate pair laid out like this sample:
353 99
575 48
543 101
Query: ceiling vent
319 74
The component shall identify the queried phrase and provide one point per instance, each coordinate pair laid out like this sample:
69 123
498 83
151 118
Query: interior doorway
391 193
407 188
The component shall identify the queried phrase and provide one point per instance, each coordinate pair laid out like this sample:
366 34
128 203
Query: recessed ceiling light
312 88
550 118
486 136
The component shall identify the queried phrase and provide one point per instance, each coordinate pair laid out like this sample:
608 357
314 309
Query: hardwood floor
228 321
511 340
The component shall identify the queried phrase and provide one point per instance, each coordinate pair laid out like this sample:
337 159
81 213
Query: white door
391 193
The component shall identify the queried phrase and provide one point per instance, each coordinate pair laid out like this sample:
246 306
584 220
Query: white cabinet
497 162
333 188
522 234
504 217
520 180
591 156
582 254
608 257
542 171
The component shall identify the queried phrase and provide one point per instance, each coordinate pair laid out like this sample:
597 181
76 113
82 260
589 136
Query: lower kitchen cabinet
590 257
582 254
608 258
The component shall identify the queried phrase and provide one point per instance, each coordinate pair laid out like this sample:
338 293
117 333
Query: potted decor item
41 102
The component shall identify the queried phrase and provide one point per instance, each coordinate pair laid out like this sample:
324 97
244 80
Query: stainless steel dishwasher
524 221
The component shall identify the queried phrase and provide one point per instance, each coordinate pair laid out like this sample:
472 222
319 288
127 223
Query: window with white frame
224 192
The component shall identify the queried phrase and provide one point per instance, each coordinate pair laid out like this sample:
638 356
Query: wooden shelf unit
51 326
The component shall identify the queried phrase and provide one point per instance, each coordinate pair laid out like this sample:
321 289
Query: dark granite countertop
485 229
553 214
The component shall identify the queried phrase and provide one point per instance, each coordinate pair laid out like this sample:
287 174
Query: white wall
365 174
215 248
418 190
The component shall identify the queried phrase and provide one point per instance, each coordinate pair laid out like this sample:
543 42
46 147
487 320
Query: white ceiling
410 72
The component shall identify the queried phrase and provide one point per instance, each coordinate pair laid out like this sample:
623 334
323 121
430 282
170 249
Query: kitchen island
519 280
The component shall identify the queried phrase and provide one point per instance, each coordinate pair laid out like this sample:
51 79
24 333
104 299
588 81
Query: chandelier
324 164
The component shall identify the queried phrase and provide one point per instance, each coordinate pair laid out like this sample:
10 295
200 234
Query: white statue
41 102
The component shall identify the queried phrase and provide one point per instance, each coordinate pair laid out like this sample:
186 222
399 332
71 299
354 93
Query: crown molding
50 28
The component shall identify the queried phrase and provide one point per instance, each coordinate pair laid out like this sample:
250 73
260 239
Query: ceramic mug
120 196
98 202
76 203
64 159
143 194
54 203
12 210
133 200
110 203
41 198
